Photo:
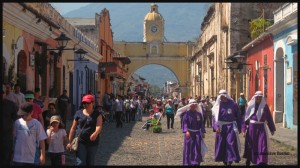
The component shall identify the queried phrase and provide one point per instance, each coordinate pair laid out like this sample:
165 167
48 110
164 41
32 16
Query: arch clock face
153 29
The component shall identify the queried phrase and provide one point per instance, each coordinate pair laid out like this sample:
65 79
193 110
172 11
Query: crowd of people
44 130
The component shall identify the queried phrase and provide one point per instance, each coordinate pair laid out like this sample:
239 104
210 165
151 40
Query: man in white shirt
19 94
119 107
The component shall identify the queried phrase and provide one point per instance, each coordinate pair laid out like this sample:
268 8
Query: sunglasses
84 103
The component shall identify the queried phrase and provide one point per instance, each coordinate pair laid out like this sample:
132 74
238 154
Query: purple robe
227 142
192 122
256 139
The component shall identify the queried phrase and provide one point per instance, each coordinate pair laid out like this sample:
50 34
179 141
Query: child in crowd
148 123
56 137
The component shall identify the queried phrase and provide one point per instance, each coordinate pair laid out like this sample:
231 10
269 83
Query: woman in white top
56 137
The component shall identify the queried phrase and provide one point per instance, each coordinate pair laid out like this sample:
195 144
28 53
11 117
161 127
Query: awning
124 60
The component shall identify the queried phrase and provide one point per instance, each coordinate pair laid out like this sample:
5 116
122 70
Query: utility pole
263 17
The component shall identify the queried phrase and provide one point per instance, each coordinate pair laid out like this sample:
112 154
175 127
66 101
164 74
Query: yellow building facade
154 50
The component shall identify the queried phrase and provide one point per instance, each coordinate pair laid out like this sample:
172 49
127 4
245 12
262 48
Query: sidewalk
285 136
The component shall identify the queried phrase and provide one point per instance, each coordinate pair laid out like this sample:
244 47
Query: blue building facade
285 30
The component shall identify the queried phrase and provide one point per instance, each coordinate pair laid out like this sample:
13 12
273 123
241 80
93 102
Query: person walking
37 110
169 110
57 138
8 94
63 102
175 102
242 102
36 99
29 136
47 114
133 106
8 117
208 113
194 148
203 106
227 125
89 134
19 94
119 107
140 108
127 109
181 104
254 128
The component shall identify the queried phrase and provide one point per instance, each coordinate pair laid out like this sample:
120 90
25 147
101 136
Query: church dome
153 15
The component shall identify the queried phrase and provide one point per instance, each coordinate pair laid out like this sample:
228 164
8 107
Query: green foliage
154 121
258 26
155 128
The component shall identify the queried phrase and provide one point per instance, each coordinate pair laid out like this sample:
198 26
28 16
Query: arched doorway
279 84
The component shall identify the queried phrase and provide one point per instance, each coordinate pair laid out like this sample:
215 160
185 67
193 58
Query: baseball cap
88 98
25 108
55 118
29 96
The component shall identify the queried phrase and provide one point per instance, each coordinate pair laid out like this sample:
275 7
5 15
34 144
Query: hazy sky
63 8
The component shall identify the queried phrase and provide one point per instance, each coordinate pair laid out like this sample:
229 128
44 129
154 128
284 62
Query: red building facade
260 74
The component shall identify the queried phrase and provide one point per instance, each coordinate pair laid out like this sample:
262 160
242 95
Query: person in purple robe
227 125
254 128
193 128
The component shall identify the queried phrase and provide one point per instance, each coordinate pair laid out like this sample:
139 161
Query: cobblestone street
131 145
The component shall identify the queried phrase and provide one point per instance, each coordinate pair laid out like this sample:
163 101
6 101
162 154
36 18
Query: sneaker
145 129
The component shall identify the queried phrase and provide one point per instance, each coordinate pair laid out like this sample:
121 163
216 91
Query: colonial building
285 58
33 57
111 70
156 50
224 31
259 71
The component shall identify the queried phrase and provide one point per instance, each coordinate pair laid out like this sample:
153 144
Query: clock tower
153 25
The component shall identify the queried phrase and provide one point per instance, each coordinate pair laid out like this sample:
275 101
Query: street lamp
62 43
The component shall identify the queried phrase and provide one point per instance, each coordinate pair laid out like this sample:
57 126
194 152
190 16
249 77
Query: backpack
127 105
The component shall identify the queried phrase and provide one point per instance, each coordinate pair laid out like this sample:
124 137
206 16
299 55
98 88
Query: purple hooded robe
227 144
193 122
256 139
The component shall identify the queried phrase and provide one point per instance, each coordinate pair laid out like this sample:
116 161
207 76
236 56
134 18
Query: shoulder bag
74 144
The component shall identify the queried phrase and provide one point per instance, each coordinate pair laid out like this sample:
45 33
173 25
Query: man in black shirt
63 102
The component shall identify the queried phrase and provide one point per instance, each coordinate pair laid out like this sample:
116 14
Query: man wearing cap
242 104
254 128
193 128
87 124
227 125
37 110
29 136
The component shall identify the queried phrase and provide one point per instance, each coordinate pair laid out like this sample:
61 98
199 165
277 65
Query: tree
258 26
